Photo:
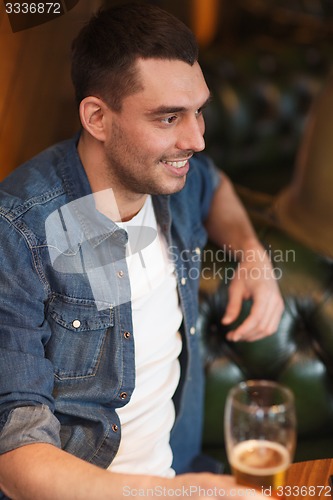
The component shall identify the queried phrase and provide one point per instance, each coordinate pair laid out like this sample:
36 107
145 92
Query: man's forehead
165 81
149 67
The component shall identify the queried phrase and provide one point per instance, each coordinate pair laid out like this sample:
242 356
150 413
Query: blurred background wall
265 61
36 96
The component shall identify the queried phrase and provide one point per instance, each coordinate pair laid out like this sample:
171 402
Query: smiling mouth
177 163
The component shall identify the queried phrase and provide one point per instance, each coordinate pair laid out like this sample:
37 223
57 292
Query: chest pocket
79 332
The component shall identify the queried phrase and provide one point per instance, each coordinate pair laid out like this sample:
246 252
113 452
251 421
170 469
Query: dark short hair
106 49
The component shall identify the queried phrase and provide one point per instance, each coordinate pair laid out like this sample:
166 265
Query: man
100 380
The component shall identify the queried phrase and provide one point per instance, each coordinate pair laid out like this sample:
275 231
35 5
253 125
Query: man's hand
228 224
254 279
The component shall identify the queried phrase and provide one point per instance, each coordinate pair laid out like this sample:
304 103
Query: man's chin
178 186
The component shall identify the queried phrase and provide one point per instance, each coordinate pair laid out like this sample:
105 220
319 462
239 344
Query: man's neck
112 201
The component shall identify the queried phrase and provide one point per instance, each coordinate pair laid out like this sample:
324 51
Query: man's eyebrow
166 110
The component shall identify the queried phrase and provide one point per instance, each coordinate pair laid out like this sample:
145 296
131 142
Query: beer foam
260 457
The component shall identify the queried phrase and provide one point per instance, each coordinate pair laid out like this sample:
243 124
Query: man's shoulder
202 171
203 175
40 178
199 161
194 200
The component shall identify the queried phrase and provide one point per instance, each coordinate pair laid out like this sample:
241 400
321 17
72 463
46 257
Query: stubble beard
125 172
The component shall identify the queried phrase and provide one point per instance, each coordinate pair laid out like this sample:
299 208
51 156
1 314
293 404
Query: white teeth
177 164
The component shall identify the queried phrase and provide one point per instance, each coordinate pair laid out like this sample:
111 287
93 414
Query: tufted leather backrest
299 354
295 228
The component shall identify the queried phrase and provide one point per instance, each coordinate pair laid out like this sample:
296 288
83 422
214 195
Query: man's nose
191 135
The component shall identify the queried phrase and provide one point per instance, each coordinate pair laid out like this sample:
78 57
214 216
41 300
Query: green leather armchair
296 229
299 354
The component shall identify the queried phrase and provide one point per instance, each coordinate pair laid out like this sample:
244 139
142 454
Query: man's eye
169 119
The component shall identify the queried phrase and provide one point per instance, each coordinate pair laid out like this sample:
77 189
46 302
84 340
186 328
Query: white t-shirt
147 419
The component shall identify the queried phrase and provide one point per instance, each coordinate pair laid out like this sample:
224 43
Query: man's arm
228 224
44 472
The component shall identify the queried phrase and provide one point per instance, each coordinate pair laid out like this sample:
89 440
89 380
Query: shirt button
120 274
192 330
115 428
127 335
76 323
183 281
123 395
197 250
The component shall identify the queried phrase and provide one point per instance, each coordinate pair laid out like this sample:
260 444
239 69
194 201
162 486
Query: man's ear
93 117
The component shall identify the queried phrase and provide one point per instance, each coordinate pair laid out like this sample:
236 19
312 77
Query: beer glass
260 433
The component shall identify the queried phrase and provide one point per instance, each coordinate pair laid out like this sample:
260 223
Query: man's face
159 128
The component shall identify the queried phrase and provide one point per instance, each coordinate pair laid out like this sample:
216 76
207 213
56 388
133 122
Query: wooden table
309 480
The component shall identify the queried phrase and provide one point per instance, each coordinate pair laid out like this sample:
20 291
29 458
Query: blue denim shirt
66 364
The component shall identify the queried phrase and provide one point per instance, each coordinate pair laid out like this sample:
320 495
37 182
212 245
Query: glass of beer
260 433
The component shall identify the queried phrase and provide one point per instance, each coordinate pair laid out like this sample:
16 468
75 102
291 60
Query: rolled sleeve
26 376
28 425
